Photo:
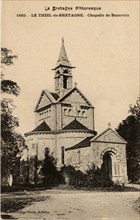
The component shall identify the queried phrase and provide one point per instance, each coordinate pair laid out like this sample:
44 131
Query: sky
104 50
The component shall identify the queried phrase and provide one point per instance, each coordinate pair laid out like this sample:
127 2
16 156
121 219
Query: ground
53 204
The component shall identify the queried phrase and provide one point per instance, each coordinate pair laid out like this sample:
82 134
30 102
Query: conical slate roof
63 58
75 125
42 127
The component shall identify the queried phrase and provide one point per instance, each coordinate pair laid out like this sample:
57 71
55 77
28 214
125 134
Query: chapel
64 125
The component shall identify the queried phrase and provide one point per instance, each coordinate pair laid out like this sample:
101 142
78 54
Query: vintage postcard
70 109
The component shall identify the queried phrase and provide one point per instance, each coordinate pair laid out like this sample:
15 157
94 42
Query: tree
129 129
10 140
8 86
49 170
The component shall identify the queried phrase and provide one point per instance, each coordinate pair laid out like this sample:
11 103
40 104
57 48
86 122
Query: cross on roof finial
109 124
75 84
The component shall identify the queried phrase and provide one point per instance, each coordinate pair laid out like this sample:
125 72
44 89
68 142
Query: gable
109 136
75 96
46 98
43 101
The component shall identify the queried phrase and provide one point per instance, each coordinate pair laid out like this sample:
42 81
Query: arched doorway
107 164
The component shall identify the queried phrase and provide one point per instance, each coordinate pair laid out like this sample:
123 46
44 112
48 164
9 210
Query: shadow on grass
6 189
137 205
131 189
14 204
108 189
7 217
118 188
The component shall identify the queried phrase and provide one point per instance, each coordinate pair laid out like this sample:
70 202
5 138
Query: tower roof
75 124
42 127
63 58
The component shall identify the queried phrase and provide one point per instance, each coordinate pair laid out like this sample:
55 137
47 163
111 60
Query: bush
97 178
51 176
71 176
93 178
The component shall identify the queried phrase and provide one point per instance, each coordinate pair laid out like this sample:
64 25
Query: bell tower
63 72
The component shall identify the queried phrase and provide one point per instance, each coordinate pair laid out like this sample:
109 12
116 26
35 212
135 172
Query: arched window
33 151
78 152
65 111
79 112
47 150
63 155
70 112
33 146
83 113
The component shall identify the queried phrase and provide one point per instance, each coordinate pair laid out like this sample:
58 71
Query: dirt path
80 205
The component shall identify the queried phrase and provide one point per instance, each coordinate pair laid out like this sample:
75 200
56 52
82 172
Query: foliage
9 150
10 140
71 176
135 110
129 129
96 177
7 57
9 87
92 178
49 170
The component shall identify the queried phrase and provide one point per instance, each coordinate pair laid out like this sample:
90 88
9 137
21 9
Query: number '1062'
21 15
